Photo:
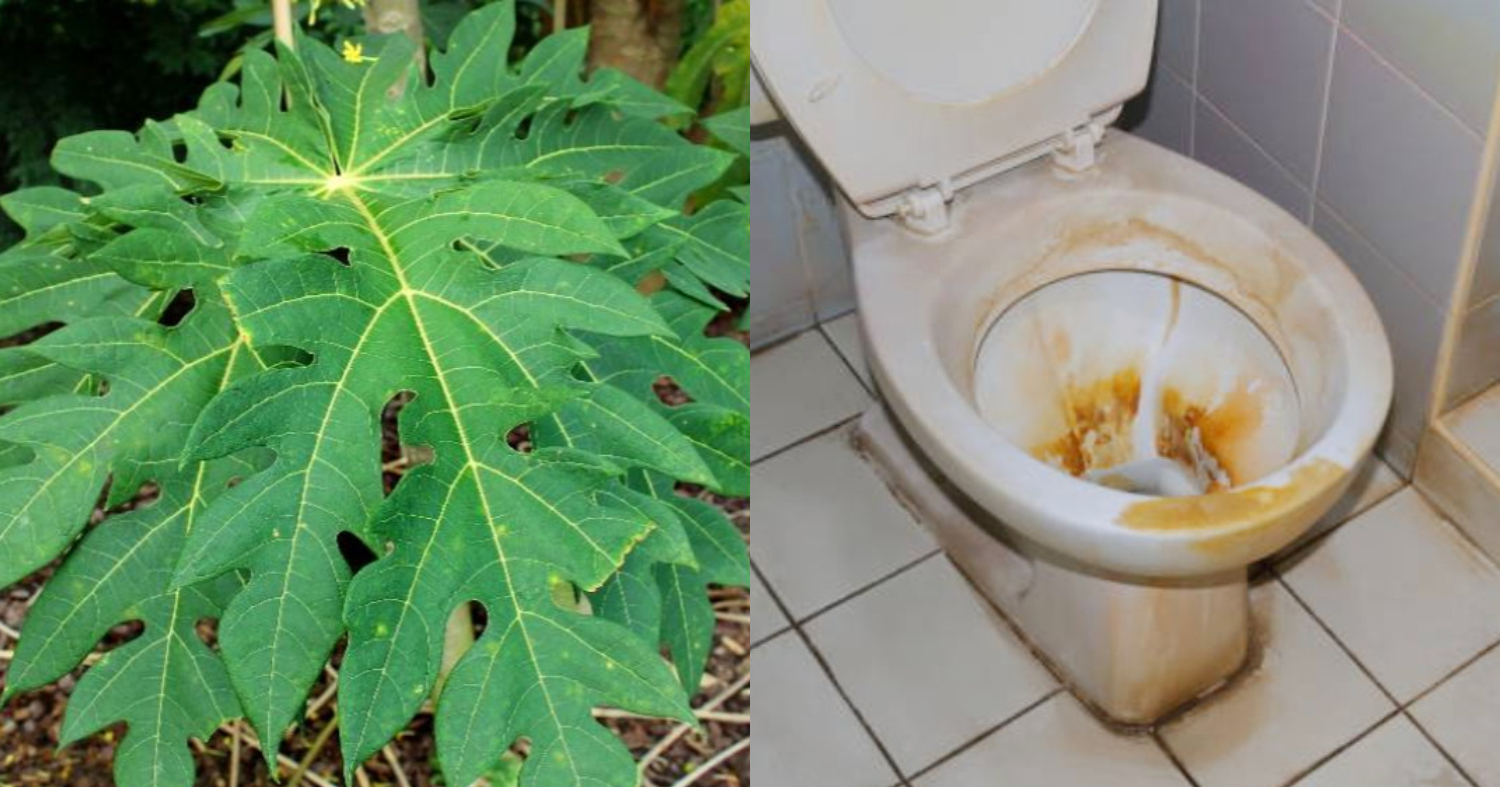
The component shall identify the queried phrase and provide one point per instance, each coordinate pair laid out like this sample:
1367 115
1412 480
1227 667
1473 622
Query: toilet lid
897 94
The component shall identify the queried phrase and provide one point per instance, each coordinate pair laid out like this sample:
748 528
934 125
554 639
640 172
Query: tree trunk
640 37
397 16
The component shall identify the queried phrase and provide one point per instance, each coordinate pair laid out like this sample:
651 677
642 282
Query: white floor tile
845 335
1375 482
766 618
805 735
1409 596
1304 701
925 664
1394 755
1463 714
826 525
1058 743
798 388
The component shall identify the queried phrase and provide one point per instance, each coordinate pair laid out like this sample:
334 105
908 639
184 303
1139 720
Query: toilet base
1133 649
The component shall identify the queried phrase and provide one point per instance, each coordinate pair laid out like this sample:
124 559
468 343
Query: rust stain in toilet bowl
1099 415
1243 513
1209 441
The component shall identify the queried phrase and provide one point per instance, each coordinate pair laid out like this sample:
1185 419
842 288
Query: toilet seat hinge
925 209
1077 149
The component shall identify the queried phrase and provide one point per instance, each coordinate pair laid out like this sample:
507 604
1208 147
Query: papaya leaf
352 233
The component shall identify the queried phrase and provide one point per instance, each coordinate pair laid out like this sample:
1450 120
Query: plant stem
281 17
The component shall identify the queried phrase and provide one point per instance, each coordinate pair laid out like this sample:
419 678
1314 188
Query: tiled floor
880 668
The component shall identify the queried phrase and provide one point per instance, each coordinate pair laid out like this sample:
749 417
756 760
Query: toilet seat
927 303
901 98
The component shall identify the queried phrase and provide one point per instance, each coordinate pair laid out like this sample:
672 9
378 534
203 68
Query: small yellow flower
354 53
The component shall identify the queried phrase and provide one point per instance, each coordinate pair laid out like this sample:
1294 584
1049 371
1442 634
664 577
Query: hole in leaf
178 309
727 323
519 438
480 617
29 335
397 458
523 129
356 553
117 637
208 632
341 254
179 151
669 393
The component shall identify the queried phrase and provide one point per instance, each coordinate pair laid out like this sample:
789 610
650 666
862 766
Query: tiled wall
1364 118
799 270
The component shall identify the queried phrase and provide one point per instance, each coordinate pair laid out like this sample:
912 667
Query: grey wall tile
1413 325
1177 36
1218 144
781 300
1449 47
1397 167
1263 63
1166 112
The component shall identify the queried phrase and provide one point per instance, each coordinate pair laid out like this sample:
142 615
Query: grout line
848 363
1192 150
981 737
1389 65
1172 757
1453 673
1341 748
863 589
1275 162
1411 280
775 601
1287 586
1434 741
807 438
1317 173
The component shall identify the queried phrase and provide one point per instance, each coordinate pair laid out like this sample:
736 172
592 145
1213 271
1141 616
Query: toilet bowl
1115 378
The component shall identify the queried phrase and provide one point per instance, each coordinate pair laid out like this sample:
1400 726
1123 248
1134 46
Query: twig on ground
322 699
304 767
682 729
707 767
390 758
234 753
703 715
282 759
730 617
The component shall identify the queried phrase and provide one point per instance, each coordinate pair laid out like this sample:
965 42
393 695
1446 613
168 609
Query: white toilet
1118 378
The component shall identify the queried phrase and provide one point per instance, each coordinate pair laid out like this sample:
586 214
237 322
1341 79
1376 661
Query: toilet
1113 378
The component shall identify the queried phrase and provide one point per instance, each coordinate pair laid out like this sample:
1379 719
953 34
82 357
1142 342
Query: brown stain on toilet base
1242 514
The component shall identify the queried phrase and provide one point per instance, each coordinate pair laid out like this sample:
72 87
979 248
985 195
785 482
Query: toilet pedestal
1133 649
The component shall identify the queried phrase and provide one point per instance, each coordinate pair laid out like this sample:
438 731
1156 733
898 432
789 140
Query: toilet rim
1119 530
1215 532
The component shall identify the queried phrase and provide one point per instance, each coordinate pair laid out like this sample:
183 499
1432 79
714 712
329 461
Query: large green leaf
462 239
